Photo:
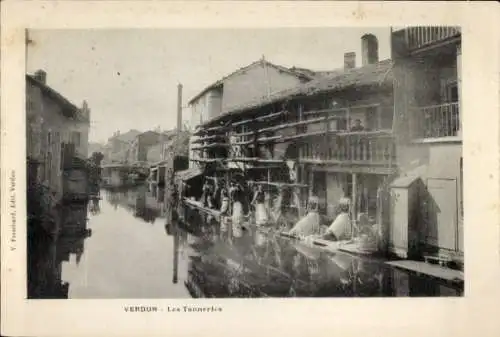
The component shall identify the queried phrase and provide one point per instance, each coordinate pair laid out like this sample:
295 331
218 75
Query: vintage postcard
170 168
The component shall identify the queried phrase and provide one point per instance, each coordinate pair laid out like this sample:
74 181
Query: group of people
234 204
244 203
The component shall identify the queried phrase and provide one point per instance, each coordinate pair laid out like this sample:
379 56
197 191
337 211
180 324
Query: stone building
56 130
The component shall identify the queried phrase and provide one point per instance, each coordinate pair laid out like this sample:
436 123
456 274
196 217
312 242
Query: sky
129 77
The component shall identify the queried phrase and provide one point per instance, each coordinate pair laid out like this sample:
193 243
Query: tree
96 158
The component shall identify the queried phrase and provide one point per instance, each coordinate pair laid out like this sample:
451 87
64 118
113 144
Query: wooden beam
243 134
366 169
264 167
260 140
304 122
206 160
364 106
322 111
255 159
203 139
344 162
277 184
219 128
354 200
260 118
212 145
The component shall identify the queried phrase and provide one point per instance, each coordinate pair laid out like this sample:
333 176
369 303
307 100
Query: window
449 91
61 166
461 188
49 171
372 118
75 138
453 92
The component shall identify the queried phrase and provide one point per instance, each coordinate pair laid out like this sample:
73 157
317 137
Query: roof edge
56 95
296 92
220 82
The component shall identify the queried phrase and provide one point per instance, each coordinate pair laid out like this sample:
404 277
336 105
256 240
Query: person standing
258 201
237 219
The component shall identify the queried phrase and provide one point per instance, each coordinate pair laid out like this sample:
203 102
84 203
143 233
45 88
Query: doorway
442 214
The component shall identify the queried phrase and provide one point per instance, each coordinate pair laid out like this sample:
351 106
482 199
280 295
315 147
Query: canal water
120 247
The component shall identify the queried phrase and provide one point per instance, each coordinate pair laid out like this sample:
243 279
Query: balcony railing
365 148
436 121
419 37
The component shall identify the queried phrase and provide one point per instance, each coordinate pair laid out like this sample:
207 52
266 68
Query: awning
188 174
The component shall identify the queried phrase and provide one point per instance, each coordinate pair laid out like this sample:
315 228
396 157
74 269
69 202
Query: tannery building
386 135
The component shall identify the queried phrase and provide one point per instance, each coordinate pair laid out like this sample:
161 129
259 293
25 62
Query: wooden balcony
372 148
436 121
421 37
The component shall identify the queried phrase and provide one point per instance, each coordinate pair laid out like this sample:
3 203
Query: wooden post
327 138
354 200
311 180
169 165
176 253
179 108
459 87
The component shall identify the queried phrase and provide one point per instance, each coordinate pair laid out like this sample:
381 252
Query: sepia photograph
182 163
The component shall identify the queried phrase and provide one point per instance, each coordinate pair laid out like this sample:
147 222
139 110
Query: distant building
118 146
167 145
79 132
141 144
56 130
95 147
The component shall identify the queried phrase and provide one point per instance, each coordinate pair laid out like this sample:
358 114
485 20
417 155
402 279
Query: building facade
427 94
118 146
244 86
334 132
141 144
387 135
78 132
51 123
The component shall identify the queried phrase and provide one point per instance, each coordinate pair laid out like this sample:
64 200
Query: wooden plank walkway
198 205
332 246
429 269
353 247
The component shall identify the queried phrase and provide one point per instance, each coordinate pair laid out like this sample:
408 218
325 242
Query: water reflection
46 253
266 265
104 250
145 202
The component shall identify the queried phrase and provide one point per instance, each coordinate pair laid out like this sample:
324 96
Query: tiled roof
299 73
370 75
316 74
69 109
373 74
128 136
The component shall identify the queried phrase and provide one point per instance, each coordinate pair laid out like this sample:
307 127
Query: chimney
85 110
179 107
349 60
41 76
369 49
